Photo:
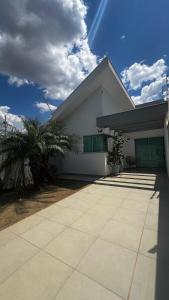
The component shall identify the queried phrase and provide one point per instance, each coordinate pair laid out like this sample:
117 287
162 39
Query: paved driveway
108 241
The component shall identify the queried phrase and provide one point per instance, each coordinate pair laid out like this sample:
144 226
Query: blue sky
132 33
145 25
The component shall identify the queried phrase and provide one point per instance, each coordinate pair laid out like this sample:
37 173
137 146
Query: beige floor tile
146 193
39 279
43 233
103 210
122 234
138 204
135 195
109 265
94 198
155 200
81 204
70 246
152 222
90 223
67 202
111 201
129 216
149 245
79 287
153 209
50 211
6 236
113 193
25 224
66 216
143 287
13 255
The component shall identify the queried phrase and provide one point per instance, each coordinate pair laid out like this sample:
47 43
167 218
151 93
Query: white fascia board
90 84
121 84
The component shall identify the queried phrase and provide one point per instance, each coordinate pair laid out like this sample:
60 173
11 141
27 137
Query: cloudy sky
48 47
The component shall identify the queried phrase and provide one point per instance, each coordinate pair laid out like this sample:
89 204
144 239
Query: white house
100 106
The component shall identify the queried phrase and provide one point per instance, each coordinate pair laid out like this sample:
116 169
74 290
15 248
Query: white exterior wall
80 123
166 139
83 122
86 163
110 104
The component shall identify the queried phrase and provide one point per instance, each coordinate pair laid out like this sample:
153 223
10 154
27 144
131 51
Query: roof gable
103 75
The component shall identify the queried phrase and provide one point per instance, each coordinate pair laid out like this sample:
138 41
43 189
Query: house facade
88 115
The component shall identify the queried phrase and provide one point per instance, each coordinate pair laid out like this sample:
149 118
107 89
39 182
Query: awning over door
141 118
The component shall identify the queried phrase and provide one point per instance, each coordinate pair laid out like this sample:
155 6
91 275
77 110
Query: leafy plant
33 147
115 156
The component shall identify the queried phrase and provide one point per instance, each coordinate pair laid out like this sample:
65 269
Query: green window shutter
99 144
95 143
88 144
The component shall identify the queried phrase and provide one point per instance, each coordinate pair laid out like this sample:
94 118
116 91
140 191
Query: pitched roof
103 75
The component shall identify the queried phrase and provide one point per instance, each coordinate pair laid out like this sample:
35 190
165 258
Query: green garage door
150 152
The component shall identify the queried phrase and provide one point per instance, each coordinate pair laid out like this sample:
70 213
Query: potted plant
115 156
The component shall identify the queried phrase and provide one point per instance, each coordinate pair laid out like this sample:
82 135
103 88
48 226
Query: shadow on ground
13 209
162 264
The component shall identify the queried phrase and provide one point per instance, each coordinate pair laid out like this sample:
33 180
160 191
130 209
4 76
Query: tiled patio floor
109 241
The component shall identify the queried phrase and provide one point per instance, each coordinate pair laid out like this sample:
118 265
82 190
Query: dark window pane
88 145
95 143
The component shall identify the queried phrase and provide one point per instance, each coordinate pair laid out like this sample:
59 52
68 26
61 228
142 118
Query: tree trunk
36 176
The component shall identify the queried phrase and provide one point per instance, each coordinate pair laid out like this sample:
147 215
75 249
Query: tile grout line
78 271
63 284
41 248
103 286
75 268
138 253
20 267
18 234
66 227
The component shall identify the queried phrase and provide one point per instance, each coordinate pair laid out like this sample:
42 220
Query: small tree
116 156
33 148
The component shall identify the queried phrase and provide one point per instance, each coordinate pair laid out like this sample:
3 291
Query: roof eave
89 83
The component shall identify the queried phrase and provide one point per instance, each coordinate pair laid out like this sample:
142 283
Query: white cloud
11 119
123 37
44 107
150 92
18 81
140 73
45 42
146 80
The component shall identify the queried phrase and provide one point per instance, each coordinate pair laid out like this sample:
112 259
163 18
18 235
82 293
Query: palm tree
33 147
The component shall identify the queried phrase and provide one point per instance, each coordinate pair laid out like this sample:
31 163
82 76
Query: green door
150 152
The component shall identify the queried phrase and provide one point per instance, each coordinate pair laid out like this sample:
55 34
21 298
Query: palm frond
55 149
41 145
36 144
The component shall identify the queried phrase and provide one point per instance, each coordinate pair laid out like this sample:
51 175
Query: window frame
94 143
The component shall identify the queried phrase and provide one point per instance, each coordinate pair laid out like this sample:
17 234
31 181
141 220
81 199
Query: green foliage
33 147
115 156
